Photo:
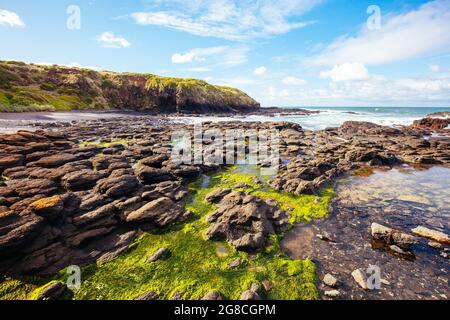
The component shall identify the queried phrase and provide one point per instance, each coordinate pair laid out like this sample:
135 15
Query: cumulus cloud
260 71
346 72
228 19
293 81
10 19
110 40
414 34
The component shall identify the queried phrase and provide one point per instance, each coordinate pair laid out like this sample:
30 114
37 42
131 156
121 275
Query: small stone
151 295
329 280
444 255
432 234
398 250
436 245
254 287
161 254
52 291
332 293
212 295
176 296
360 278
249 295
268 285
235 263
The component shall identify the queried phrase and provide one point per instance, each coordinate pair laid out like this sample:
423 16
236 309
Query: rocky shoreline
77 192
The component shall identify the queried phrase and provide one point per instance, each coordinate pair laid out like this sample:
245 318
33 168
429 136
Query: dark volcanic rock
159 212
244 220
118 186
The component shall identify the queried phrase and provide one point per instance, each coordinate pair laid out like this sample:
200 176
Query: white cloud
110 40
197 69
228 19
346 72
260 71
417 33
294 81
435 68
373 91
222 56
11 19
198 54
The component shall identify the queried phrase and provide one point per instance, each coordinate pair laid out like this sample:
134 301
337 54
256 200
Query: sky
280 52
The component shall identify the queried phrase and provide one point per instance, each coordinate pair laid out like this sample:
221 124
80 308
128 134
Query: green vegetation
363 172
104 144
198 265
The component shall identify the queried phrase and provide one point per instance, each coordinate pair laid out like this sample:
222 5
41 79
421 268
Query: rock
55 160
176 296
212 295
391 236
360 277
117 187
151 295
217 195
161 254
52 291
329 280
82 237
268 285
150 175
398 250
432 234
255 287
80 180
160 212
244 220
19 231
49 208
235 263
27 188
332 293
249 295
436 245
154 161
11 161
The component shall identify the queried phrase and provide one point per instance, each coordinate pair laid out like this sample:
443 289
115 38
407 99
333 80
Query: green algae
363 172
84 144
196 266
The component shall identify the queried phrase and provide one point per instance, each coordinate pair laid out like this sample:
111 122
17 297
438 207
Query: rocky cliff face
35 87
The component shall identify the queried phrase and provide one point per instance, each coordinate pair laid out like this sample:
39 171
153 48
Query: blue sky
284 53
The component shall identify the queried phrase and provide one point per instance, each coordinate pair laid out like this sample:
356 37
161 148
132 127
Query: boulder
80 180
391 236
117 187
159 212
161 254
52 291
150 175
49 208
244 220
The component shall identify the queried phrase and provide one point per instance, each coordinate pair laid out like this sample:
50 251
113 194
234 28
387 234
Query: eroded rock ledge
62 202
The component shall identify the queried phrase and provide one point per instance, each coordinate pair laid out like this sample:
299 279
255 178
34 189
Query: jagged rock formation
37 87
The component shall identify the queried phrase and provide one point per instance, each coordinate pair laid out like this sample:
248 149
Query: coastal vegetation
30 87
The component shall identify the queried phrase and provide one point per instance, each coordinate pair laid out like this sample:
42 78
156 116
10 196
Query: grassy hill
29 87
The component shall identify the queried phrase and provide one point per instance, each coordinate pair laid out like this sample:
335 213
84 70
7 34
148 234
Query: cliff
29 87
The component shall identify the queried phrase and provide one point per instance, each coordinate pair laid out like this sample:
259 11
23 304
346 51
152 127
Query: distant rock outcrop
29 87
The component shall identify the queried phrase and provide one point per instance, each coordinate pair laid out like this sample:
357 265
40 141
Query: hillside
29 87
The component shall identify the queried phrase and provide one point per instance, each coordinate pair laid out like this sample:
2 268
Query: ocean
335 116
